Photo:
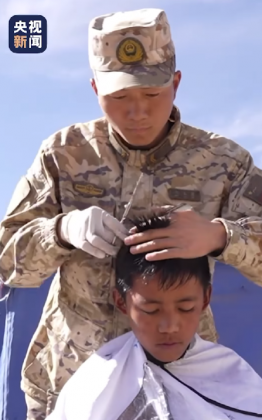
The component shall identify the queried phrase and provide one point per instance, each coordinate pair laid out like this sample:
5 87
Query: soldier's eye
152 95
118 97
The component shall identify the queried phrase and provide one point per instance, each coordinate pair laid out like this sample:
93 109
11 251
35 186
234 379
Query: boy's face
164 321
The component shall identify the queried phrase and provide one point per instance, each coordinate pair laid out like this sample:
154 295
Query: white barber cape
118 383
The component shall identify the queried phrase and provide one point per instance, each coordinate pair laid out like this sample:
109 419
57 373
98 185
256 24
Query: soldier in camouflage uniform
65 211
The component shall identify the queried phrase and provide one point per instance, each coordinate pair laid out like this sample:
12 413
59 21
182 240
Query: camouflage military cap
129 49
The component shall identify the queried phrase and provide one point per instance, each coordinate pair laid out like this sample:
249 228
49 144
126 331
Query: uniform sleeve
59 412
241 215
29 248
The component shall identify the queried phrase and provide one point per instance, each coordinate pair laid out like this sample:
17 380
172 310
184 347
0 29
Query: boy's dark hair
173 271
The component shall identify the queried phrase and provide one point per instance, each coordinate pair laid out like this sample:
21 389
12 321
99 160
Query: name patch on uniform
89 189
254 189
184 195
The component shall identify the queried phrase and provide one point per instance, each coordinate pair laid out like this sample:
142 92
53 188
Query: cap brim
160 75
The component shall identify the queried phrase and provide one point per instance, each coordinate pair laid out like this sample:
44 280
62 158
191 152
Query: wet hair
175 271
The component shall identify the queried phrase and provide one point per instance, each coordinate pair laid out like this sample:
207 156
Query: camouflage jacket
84 165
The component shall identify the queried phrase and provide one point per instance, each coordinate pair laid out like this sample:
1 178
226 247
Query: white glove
92 230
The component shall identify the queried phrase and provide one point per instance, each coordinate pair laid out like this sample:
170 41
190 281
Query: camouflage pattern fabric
128 49
84 165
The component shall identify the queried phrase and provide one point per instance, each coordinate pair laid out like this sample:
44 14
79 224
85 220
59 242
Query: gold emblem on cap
130 51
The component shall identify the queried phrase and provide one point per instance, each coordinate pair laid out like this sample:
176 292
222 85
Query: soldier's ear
176 82
93 85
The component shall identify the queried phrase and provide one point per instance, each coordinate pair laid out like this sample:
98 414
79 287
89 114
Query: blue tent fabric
22 309
2 317
236 305
237 308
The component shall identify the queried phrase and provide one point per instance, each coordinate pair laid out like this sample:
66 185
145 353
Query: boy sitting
162 369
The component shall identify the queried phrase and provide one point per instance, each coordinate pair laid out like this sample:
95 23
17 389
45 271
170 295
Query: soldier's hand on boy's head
189 235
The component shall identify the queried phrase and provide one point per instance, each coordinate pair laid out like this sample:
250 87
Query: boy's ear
207 298
119 301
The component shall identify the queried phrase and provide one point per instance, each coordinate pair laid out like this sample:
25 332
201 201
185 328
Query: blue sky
218 44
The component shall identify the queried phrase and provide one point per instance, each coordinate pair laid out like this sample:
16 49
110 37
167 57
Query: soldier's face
140 115
164 321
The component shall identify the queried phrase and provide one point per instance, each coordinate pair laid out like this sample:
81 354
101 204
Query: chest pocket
84 276
82 195
204 196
